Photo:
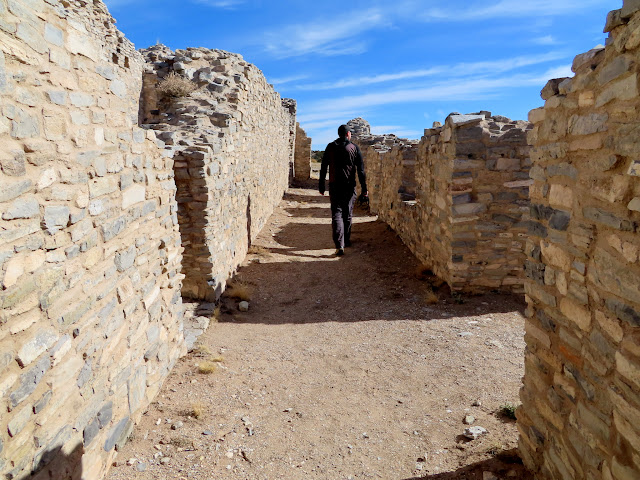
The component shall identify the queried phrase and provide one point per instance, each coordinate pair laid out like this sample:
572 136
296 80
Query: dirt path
311 383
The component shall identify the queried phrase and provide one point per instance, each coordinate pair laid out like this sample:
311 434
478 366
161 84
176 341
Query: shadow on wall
191 196
504 465
56 465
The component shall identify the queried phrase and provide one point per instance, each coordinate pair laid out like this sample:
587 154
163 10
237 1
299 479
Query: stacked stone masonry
458 198
580 414
302 167
233 148
90 218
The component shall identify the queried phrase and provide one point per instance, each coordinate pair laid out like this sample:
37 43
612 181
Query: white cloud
546 40
284 80
329 36
456 70
557 72
508 9
228 4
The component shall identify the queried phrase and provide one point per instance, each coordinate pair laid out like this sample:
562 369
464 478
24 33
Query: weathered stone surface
55 218
22 208
116 433
29 381
35 347
125 259
13 189
19 420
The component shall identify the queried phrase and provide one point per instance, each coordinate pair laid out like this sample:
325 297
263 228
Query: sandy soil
341 369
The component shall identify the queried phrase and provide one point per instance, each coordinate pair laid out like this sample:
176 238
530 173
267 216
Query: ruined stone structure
302 167
580 417
90 229
232 149
458 198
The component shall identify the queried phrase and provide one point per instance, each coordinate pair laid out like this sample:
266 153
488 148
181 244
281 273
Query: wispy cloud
456 70
466 89
285 80
329 36
546 40
506 9
227 4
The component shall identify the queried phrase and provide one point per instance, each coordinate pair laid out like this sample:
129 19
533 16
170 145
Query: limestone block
22 208
588 124
24 125
55 218
629 7
80 43
133 195
634 204
102 186
624 89
576 313
19 420
556 256
53 35
32 349
31 37
29 381
591 58
561 196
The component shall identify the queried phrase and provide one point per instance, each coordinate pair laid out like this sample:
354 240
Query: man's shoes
339 252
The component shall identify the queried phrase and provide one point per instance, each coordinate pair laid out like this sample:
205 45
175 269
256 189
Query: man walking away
344 160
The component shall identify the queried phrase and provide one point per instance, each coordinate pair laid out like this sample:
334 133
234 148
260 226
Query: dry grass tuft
218 359
174 85
202 350
207 367
430 297
198 409
239 290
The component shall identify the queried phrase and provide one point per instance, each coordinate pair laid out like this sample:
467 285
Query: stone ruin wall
233 144
302 166
458 198
580 414
90 246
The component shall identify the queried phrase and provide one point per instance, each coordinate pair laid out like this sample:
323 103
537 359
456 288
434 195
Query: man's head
344 132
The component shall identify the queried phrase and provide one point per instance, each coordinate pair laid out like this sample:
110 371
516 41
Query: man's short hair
342 131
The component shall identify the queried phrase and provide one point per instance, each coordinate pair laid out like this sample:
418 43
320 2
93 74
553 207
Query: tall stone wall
233 142
580 417
458 198
302 166
89 244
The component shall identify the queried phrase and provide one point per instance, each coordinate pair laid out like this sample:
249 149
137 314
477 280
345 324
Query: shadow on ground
377 279
504 465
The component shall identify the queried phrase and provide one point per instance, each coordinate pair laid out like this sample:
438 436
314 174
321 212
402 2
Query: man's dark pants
342 200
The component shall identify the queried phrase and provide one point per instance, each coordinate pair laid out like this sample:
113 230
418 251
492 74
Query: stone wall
89 244
302 166
233 142
458 198
580 417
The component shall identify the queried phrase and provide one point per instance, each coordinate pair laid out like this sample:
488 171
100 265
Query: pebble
465 334
132 461
243 306
141 467
469 419
207 432
177 425
476 403
474 432
159 421
165 461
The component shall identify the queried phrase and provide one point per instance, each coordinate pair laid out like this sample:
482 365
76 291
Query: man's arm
360 169
323 169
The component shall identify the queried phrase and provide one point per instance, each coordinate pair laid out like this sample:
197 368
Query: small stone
474 433
177 425
469 420
165 461
243 306
132 461
141 467
207 432
465 334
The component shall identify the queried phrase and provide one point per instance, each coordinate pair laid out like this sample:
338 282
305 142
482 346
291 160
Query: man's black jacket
344 160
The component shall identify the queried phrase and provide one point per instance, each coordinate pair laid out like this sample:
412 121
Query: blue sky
399 64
